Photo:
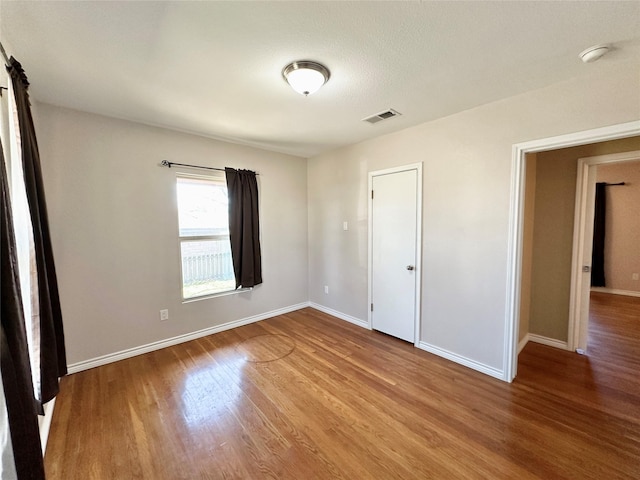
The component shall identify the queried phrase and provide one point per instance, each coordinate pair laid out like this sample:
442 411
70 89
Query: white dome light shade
306 77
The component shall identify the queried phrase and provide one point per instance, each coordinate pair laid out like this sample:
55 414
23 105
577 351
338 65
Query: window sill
216 295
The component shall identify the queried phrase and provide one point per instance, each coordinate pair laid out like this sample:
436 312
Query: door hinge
372 307
371 194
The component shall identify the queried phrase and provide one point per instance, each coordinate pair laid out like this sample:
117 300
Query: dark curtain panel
14 354
244 227
53 361
599 222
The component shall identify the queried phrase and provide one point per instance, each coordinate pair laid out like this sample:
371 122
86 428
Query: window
203 220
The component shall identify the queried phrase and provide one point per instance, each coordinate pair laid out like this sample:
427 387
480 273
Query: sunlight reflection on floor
211 392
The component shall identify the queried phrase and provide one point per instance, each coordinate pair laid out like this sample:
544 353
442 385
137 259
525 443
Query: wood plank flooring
308 396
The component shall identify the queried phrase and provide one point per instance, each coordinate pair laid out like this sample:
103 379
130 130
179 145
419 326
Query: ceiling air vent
378 117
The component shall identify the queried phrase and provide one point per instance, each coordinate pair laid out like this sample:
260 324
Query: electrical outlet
634 276
164 315
345 225
326 289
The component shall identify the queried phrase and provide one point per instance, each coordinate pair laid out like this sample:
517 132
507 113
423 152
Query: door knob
410 267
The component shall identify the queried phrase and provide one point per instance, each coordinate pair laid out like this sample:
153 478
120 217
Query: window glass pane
203 207
206 267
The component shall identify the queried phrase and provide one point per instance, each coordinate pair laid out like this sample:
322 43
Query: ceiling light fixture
592 54
306 77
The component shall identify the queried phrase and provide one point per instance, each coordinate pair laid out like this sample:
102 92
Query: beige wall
113 222
467 160
622 236
552 244
555 191
112 211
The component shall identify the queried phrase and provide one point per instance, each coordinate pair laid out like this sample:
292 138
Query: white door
394 234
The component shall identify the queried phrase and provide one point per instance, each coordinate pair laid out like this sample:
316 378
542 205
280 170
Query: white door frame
418 266
583 243
516 218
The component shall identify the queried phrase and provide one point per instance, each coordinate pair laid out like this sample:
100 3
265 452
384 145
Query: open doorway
557 239
522 227
614 261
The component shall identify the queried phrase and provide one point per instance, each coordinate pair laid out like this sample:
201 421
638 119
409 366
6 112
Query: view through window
203 218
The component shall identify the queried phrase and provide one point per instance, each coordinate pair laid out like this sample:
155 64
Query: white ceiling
214 68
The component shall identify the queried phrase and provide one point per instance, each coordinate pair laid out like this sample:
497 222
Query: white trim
418 285
631 156
523 343
550 342
418 320
44 424
151 347
454 357
514 265
369 248
516 205
615 291
341 316
215 295
582 243
596 135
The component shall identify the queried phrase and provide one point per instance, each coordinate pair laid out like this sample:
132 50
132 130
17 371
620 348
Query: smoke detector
592 54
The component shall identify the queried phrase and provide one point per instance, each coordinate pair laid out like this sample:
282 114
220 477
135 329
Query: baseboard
44 423
615 291
454 357
550 342
523 343
340 315
150 347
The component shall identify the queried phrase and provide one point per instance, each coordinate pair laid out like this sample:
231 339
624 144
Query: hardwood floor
308 396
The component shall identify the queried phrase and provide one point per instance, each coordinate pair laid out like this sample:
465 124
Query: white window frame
216 178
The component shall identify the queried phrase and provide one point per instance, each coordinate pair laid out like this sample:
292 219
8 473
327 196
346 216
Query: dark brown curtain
14 354
599 223
53 362
244 227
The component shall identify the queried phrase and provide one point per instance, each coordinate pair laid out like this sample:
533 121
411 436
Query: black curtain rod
613 184
167 163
